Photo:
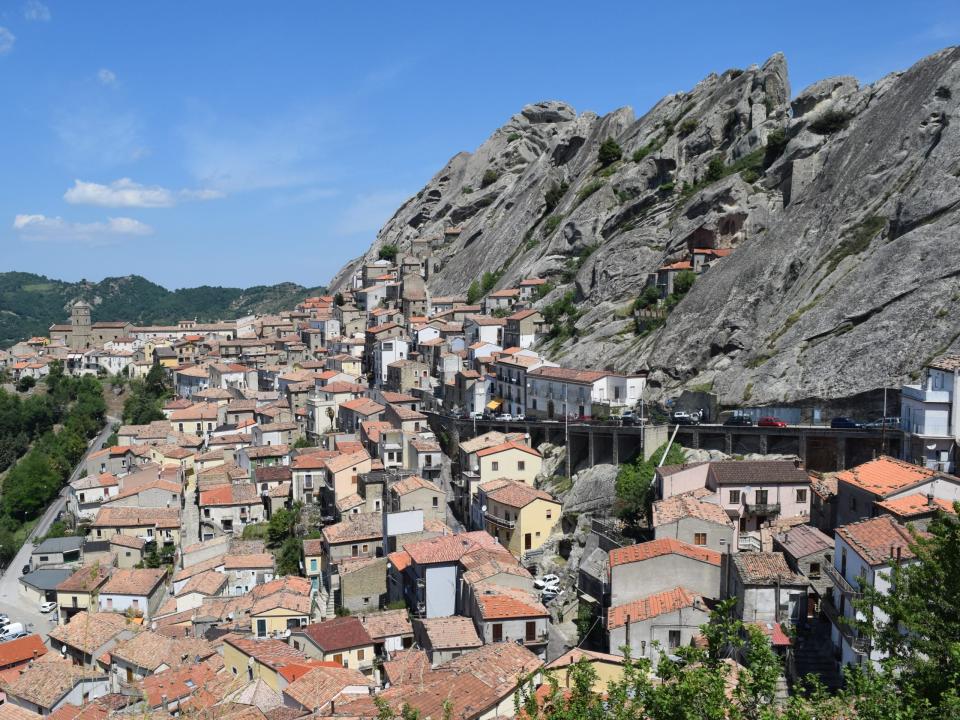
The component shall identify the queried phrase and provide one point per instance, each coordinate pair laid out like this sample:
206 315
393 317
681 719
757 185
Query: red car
771 422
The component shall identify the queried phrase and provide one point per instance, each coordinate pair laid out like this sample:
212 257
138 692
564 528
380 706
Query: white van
11 629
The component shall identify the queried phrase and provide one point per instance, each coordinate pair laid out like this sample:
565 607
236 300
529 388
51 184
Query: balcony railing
749 543
858 643
840 582
762 508
499 521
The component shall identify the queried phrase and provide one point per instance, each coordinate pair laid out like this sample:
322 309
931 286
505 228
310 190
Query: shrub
650 296
551 224
716 169
683 282
650 147
588 190
490 176
473 293
467 190
388 252
513 136
830 122
855 241
25 383
687 127
776 144
609 152
554 195
666 187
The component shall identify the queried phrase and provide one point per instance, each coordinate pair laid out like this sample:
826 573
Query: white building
556 392
929 417
386 352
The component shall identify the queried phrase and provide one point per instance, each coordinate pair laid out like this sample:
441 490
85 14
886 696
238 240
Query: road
447 486
12 600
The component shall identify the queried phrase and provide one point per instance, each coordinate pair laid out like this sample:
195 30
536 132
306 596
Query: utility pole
566 430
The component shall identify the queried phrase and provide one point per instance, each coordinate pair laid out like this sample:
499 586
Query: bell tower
81 334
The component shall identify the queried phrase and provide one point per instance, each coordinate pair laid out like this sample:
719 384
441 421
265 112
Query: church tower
81 334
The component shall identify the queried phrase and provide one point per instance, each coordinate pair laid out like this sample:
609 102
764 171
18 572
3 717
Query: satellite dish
931 447
483 508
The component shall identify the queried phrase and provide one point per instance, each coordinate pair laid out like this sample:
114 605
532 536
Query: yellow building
259 659
161 525
518 515
277 613
341 640
81 591
313 561
608 668
510 460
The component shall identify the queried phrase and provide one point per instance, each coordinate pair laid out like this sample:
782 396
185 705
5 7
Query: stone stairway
813 654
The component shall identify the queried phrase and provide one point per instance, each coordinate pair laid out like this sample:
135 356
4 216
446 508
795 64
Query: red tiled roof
885 475
340 633
509 445
663 546
877 539
916 504
651 606
21 650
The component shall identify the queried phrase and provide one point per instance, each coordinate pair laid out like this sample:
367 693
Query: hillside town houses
417 579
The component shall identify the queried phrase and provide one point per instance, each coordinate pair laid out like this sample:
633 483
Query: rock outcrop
840 206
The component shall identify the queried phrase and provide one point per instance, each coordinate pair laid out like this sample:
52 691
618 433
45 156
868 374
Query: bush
473 293
588 190
388 252
943 93
683 282
830 122
490 176
649 297
776 144
554 195
513 136
609 152
716 169
687 127
551 224
634 484
25 383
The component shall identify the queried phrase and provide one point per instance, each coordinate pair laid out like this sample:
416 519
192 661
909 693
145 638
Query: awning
494 404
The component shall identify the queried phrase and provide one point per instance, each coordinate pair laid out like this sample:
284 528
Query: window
699 538
366 548
814 570
734 497
44 558
495 466
801 495
521 465
674 639
436 501
354 551
497 632
360 654
853 503
549 513
109 603
313 564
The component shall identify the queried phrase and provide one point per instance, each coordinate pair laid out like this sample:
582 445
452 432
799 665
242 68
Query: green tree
282 525
388 252
683 282
609 152
338 299
155 383
288 559
716 169
490 176
25 383
634 484
554 195
650 296
474 293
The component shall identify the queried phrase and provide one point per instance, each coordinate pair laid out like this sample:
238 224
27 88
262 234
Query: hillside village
431 575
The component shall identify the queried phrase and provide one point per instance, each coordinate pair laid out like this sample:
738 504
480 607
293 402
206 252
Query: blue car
845 423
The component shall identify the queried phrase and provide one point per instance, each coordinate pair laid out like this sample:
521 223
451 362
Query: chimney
163 702
930 500
899 548
796 463
627 643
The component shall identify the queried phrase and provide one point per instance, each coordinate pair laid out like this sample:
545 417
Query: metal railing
840 582
762 508
857 642
499 521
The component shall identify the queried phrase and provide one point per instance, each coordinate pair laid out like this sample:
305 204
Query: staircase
325 603
813 654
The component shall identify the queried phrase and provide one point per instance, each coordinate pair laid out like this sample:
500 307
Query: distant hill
30 304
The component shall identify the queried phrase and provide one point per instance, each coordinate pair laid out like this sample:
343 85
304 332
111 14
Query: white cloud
367 213
127 193
7 39
107 77
41 227
37 11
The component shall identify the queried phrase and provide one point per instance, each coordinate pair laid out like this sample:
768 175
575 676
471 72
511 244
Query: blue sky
239 143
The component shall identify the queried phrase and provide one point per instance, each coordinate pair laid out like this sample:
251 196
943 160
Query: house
149 652
279 612
767 589
116 460
342 640
520 516
353 412
390 630
230 508
361 584
137 592
161 525
415 493
342 477
45 687
530 288
862 556
89 635
445 638
757 492
317 690
565 392
524 328
809 552
694 520
424 456
308 475
246 571
260 659
86 494
20 652
917 510
512 385
607 668
355 536
505 614
930 415
57 551
862 490
198 588
312 561
81 591
40 585
199 419
652 567
511 460
663 621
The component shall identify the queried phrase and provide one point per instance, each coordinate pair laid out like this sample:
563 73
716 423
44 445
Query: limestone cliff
840 207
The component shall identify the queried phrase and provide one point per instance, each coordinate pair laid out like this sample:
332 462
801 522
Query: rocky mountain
30 304
840 206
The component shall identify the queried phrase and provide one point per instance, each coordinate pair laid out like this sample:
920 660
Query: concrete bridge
820 448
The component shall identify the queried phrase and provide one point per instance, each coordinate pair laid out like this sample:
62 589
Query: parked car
520 418
551 593
505 417
892 423
545 581
25 570
11 629
682 417
14 636
475 416
628 418
4 622
770 421
48 606
845 423
739 421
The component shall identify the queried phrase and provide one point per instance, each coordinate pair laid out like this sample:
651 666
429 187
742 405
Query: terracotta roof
913 505
234 494
652 606
209 582
45 683
878 539
88 632
133 581
198 411
389 623
256 560
497 602
663 546
317 688
488 439
313 546
349 502
197 568
885 475
406 666
14 652
412 483
342 462
353 528
451 632
509 445
948 363
571 657
774 633
299 604
765 568
449 548
85 579
113 517
400 559
268 651
688 505
339 633
514 494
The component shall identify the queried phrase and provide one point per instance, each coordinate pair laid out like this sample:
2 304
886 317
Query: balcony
499 521
840 582
858 643
762 508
